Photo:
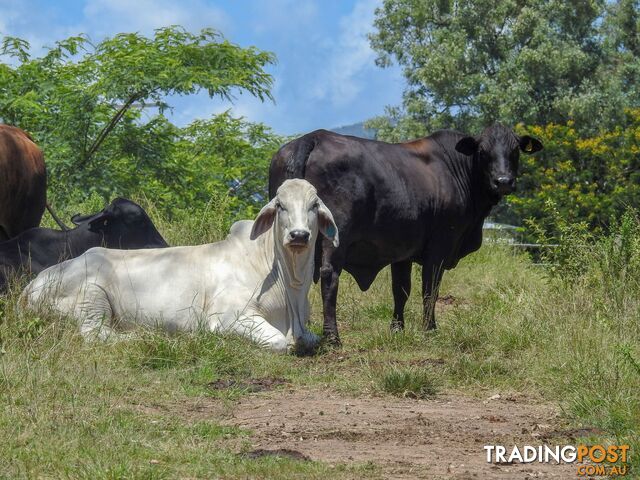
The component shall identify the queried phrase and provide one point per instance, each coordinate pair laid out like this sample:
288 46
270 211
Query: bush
589 179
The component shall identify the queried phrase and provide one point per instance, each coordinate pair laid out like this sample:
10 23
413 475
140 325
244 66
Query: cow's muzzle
298 239
504 185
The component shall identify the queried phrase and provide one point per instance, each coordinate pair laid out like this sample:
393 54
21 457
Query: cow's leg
299 338
259 330
401 286
432 271
329 279
95 315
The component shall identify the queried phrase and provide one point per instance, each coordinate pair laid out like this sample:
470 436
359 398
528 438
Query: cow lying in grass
254 283
121 224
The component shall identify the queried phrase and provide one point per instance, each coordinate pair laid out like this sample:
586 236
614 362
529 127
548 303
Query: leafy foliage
586 178
470 63
234 153
83 105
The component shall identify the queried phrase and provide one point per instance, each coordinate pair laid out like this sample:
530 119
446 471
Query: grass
130 410
409 382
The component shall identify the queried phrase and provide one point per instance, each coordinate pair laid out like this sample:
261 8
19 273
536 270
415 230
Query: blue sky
325 76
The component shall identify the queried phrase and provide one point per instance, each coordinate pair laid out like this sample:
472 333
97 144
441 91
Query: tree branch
109 127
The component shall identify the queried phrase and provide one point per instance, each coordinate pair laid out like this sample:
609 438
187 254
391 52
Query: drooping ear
264 220
326 225
467 146
529 144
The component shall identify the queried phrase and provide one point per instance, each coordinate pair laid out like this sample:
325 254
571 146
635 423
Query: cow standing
254 283
23 182
423 201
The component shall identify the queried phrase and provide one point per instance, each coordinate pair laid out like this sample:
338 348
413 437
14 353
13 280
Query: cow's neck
292 273
469 180
485 200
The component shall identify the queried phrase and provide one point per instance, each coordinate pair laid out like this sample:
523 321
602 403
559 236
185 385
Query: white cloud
21 18
106 17
100 18
8 14
351 57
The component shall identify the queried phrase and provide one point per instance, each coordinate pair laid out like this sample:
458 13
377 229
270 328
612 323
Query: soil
438 438
252 385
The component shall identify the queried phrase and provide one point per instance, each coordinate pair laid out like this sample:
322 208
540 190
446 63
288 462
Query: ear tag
331 231
529 147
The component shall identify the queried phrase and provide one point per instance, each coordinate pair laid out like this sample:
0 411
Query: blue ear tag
331 231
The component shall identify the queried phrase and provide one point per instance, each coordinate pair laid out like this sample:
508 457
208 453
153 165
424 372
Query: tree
581 178
470 63
235 155
80 102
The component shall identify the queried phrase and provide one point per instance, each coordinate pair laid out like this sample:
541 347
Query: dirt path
438 438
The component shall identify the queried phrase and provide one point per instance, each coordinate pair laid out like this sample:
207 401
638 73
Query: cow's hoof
331 340
306 345
397 327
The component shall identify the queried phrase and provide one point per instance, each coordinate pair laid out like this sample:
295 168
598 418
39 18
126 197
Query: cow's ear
467 146
99 221
264 220
77 219
326 224
530 145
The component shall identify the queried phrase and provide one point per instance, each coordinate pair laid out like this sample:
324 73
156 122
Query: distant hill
357 130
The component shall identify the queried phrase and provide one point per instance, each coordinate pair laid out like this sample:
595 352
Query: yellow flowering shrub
588 179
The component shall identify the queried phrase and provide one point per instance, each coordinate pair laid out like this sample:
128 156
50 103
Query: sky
325 76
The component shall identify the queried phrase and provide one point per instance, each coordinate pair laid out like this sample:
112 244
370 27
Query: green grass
69 409
409 382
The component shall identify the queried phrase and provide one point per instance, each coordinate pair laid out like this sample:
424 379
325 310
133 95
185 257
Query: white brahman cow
254 283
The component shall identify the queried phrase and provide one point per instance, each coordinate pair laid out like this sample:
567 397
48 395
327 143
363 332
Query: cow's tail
291 162
55 217
297 163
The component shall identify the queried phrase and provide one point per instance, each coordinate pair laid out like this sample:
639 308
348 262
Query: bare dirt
251 385
439 438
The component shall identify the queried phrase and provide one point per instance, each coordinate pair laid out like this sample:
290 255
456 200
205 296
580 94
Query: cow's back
22 182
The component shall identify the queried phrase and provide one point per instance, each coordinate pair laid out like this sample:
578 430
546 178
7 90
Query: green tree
469 63
81 103
235 155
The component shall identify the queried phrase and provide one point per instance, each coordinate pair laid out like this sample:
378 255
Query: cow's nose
505 184
299 236
505 181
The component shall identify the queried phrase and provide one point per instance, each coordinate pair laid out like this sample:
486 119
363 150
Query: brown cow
23 182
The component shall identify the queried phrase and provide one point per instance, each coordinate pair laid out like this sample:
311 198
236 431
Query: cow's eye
315 206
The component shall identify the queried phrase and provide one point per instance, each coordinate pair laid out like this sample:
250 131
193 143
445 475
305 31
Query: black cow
423 201
121 224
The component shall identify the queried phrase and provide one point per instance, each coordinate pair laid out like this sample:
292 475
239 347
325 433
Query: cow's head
497 150
123 224
297 215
